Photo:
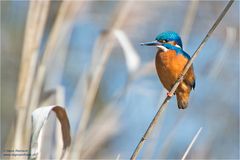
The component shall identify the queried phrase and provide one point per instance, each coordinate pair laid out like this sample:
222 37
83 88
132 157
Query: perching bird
170 62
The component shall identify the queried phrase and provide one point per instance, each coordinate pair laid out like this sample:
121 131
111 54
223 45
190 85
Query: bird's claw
169 94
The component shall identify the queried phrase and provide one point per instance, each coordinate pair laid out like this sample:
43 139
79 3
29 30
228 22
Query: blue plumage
170 36
170 62
177 49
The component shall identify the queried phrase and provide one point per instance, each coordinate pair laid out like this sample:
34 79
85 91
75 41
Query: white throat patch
162 47
177 46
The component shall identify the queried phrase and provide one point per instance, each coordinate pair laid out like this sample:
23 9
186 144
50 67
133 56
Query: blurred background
85 56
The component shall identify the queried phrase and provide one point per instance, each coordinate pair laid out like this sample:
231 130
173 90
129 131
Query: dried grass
96 75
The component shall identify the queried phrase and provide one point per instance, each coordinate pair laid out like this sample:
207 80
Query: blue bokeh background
214 104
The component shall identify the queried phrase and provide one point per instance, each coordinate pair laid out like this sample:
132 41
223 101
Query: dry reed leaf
132 58
63 24
60 99
39 118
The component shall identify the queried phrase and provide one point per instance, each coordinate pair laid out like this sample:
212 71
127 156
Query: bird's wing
190 78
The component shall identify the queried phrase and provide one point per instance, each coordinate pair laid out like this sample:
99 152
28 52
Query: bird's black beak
153 43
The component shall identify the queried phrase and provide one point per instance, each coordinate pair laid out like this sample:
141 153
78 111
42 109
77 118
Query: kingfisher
170 61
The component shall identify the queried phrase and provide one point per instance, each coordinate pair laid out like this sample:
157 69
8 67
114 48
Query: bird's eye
164 41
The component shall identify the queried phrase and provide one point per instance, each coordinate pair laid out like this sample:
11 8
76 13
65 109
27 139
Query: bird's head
165 39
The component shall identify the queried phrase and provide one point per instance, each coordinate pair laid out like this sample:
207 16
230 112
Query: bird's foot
169 94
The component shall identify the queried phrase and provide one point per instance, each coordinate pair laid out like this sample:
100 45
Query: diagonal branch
165 102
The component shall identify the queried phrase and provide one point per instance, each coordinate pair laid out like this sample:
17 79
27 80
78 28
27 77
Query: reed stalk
67 11
96 76
36 20
191 144
231 36
165 103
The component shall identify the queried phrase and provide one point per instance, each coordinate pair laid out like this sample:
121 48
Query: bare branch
165 103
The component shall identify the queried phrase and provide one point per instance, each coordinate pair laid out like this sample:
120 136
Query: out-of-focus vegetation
85 55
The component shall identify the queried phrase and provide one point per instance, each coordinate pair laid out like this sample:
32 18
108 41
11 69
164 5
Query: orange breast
169 66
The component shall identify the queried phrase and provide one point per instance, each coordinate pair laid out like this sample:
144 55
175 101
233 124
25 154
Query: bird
170 61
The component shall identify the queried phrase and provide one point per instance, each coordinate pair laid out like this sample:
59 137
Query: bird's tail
182 99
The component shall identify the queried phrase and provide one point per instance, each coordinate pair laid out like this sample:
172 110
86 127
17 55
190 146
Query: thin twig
191 144
150 148
164 104
118 157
